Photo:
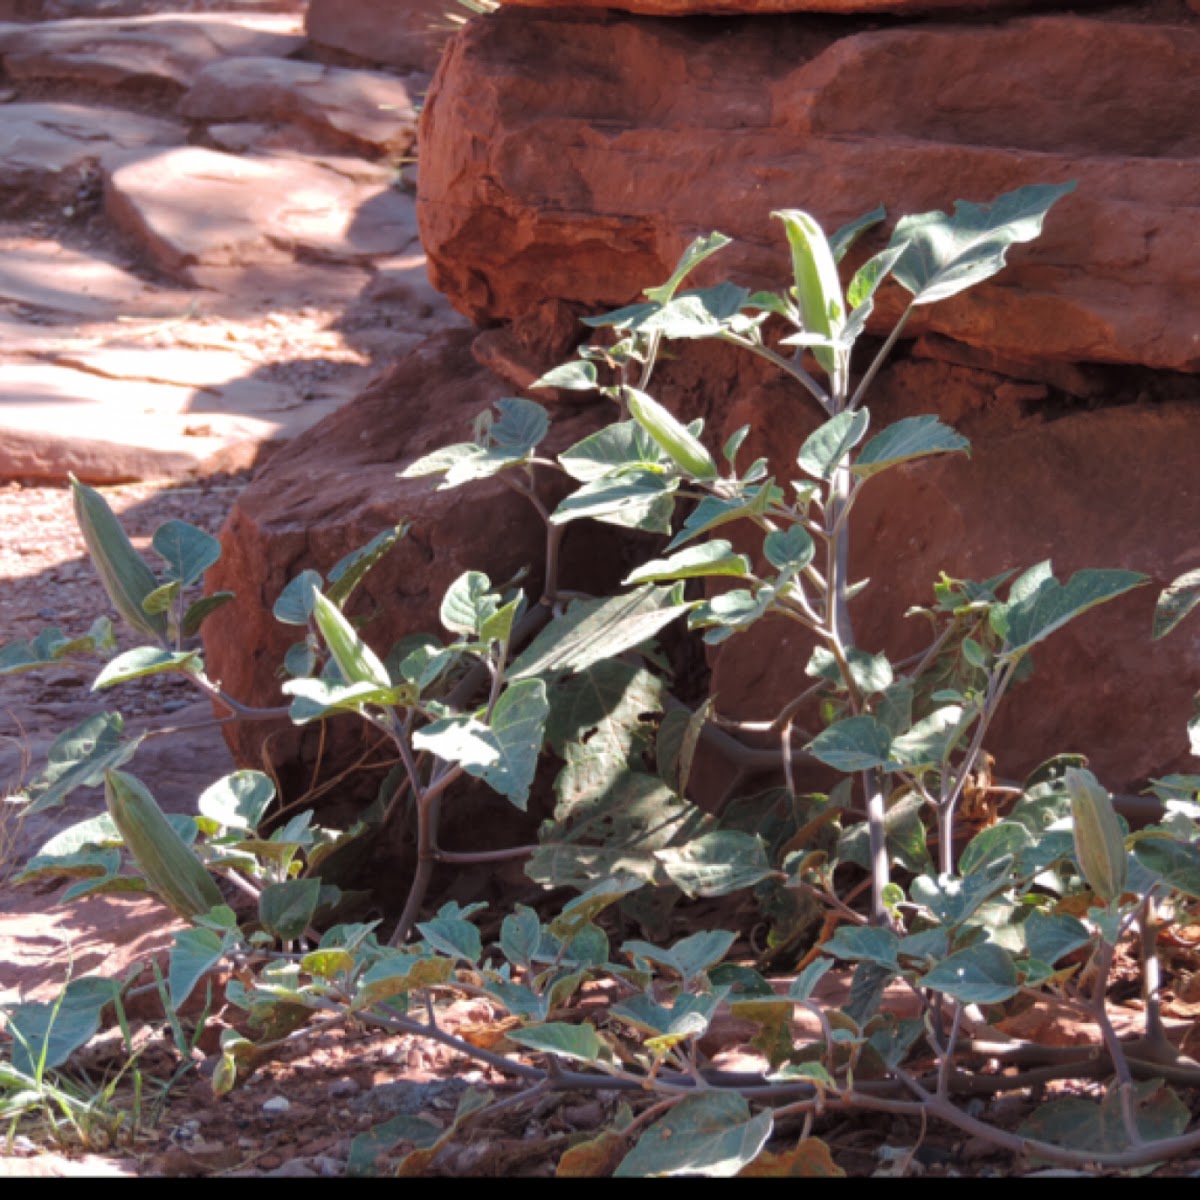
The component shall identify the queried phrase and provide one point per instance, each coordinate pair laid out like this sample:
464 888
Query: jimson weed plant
1039 903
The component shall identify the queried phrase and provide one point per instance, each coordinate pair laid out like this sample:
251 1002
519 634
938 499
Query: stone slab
409 35
167 49
365 110
191 207
49 151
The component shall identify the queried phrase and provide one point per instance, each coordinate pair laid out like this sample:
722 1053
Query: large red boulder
583 179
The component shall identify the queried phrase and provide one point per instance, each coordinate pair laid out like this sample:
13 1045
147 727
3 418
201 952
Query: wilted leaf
809 1159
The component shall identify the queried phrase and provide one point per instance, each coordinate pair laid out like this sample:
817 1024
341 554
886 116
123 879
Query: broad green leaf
1084 1126
199 610
146 660
295 603
870 275
699 313
789 550
952 900
1034 615
932 738
453 936
690 956
1176 601
350 571
700 249
945 255
328 964
904 835
844 238
673 438
711 558
605 706
517 725
734 443
717 864
366 1148
498 626
675 747
286 909
187 551
46 1035
468 603
125 576
87 863
195 952
710 1134
871 673
805 983
579 1042
78 758
591 630
584 908
614 448
239 800
854 744
479 462
95 831
522 425
825 449
912 437
1048 936
440 461
981 974
636 499
399 973
1177 863
1006 838
316 698
356 660
714 511
570 377
730 612
162 599
520 935
864 943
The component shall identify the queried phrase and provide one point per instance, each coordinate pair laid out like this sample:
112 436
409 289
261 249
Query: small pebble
276 1106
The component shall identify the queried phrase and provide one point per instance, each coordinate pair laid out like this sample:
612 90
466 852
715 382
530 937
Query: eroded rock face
333 491
692 8
408 35
582 181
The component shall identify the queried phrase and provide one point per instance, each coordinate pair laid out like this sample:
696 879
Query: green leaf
468 603
239 800
946 255
570 377
46 1035
605 707
699 313
199 610
146 660
1176 601
717 864
1084 1126
440 461
88 863
453 936
579 1043
286 909
932 738
865 943
700 249
824 449
366 1148
672 437
356 660
317 698
503 755
162 599
871 672
870 275
855 744
1048 936
689 957
789 550
520 936
521 427
187 551
953 901
295 603
849 233
1044 605
615 448
1177 863
711 558
634 500
195 952
1006 838
95 831
350 571
981 974
710 1134
126 578
399 973
78 758
912 437
591 630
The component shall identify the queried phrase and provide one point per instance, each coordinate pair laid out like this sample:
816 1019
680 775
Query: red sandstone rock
581 181
409 34
692 8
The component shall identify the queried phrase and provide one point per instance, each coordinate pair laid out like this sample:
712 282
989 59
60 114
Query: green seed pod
126 578
676 440
1099 846
818 289
170 867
